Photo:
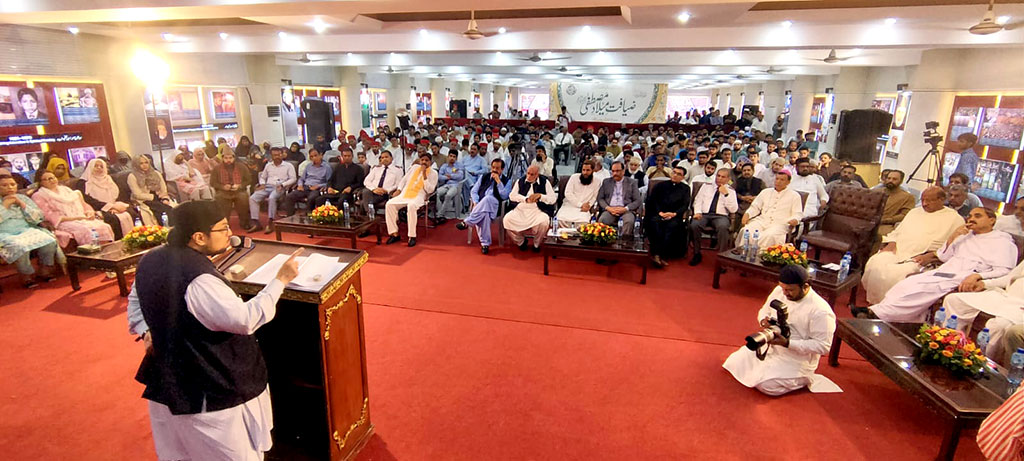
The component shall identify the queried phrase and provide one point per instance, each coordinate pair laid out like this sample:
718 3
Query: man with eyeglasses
205 378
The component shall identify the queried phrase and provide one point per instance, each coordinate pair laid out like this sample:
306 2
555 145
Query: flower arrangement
784 254
598 233
326 214
143 237
951 349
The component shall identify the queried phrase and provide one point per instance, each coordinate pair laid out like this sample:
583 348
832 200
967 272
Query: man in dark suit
619 198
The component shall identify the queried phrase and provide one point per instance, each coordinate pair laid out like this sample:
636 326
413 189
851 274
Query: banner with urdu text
615 102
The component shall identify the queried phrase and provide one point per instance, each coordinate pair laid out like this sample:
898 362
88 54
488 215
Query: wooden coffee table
112 258
622 250
891 348
301 224
825 282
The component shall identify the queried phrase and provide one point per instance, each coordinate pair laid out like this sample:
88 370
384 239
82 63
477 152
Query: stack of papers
315 271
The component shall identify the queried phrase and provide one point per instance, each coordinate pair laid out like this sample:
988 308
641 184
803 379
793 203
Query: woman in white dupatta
101 193
67 211
191 185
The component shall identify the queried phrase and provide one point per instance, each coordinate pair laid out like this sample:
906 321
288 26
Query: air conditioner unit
271 123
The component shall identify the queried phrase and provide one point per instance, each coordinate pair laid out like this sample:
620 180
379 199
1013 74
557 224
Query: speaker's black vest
189 363
539 187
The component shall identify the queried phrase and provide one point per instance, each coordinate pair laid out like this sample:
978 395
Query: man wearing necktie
711 207
417 185
383 179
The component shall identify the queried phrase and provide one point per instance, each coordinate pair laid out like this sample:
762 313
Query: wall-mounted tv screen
382 101
80 156
183 104
223 104
965 120
1002 128
22 106
77 105
994 180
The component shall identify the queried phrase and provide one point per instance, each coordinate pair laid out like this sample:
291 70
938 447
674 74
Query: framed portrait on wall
77 105
22 106
223 104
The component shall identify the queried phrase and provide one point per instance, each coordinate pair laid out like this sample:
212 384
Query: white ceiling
644 41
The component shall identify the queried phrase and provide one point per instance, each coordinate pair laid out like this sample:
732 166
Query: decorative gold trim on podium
341 441
329 312
351 269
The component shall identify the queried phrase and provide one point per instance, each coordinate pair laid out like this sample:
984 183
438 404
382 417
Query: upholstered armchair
849 223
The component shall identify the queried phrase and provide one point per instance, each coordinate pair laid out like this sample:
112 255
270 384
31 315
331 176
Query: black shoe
270 229
461 225
440 221
255 228
364 234
536 249
412 241
524 246
697 258
862 313
393 239
485 249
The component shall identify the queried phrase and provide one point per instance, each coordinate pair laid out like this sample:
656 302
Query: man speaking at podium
205 378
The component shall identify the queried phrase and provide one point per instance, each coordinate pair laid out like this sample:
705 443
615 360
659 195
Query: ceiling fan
988 24
771 70
304 59
473 31
536 58
831 58
392 70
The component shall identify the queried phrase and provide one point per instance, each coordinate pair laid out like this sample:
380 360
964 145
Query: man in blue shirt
310 184
475 166
449 188
488 194
968 164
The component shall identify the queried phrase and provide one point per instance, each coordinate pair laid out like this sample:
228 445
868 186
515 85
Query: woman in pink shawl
67 211
101 193
202 164
191 185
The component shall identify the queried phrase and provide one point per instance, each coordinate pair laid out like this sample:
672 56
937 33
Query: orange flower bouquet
783 255
143 237
951 349
597 234
326 214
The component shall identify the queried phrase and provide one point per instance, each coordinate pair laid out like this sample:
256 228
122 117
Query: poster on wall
289 102
902 110
885 104
1002 128
25 163
949 163
623 103
965 120
895 141
77 105
995 179
685 103
382 100
155 103
183 104
80 156
160 135
530 103
223 104
22 106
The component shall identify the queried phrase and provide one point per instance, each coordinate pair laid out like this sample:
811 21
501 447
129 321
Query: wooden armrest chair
849 223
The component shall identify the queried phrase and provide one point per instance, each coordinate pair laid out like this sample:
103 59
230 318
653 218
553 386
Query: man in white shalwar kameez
812 184
921 232
772 213
1013 224
419 182
579 197
974 248
529 194
790 362
201 355
1002 298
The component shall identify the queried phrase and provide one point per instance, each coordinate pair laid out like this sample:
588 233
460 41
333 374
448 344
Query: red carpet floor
483 357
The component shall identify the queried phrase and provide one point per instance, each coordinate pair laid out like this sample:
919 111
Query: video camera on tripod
931 134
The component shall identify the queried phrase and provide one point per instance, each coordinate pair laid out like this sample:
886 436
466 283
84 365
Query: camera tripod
934 165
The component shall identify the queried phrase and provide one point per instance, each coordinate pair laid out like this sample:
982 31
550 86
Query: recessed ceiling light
167 36
1002 20
547 53
502 30
223 35
497 53
423 32
73 30
787 24
890 21
683 17
281 34
319 26
586 28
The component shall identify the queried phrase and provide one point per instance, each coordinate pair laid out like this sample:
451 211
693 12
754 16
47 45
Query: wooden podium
316 358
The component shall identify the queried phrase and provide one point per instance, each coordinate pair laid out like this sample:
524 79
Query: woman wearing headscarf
246 148
148 188
59 168
101 193
212 151
20 234
67 211
190 183
295 153
121 164
201 163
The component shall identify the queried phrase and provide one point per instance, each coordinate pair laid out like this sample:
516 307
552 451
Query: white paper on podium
315 271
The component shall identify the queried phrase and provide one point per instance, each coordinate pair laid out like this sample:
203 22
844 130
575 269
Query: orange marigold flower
947 353
933 345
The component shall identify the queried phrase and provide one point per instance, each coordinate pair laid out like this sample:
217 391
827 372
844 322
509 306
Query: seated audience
272 184
449 187
960 179
345 181
600 171
619 198
102 193
1001 297
747 187
772 213
634 170
191 185
974 248
807 181
229 179
149 190
294 153
20 234
846 175
898 202
1013 224
828 168
767 175
959 200
59 168
7 169
532 203
65 209
711 207
580 197
384 178
310 184
419 182
545 163
789 363
201 163
660 168
487 195
122 163
667 203
708 175
905 249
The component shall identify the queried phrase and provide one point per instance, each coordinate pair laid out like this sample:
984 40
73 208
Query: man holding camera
797 330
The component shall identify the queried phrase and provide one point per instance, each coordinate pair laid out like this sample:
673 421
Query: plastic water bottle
344 205
95 237
1016 368
593 219
554 225
983 338
637 229
754 246
373 213
940 317
163 218
620 226
746 244
138 222
951 322
803 246
844 266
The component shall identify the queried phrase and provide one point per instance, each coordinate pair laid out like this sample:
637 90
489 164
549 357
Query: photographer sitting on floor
797 329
